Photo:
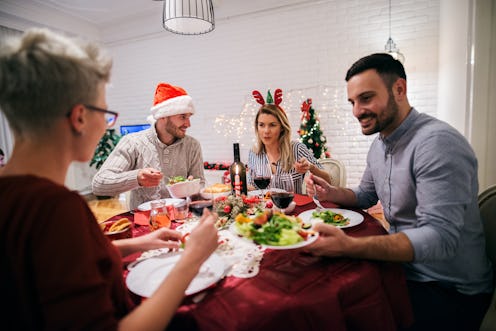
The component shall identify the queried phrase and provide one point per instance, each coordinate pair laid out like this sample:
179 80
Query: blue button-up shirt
425 174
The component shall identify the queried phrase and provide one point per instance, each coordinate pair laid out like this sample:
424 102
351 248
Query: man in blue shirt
424 172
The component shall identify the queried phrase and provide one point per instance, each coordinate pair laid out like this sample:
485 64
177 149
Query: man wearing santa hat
142 162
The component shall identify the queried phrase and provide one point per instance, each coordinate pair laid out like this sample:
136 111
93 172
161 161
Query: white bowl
184 189
210 195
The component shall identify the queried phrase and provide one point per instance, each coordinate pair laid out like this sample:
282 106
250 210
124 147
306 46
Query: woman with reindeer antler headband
274 147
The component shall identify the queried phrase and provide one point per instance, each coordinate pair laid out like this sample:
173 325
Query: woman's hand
203 240
303 165
160 238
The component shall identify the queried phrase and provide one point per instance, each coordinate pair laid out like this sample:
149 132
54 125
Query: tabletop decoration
216 165
242 257
229 207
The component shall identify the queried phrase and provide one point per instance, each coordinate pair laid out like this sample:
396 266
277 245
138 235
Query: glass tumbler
159 218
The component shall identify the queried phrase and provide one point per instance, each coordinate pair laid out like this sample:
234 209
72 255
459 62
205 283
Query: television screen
125 129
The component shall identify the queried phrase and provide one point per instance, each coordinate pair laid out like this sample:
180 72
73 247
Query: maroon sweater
57 269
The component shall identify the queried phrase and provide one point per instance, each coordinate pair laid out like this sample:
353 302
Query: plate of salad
273 230
341 218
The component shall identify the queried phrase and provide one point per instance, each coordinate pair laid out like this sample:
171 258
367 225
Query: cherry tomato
261 219
303 234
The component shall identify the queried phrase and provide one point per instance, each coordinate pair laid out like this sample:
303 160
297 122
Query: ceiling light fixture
188 17
390 46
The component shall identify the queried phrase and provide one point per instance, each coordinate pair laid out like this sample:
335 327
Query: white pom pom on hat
170 100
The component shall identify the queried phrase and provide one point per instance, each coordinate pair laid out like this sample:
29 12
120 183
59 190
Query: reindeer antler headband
277 98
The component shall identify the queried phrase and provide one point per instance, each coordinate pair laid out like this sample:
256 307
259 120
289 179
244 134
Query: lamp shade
394 51
189 17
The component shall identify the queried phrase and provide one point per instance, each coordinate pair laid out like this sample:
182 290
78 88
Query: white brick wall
304 50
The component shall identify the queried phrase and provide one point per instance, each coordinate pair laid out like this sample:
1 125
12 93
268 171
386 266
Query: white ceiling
117 20
102 12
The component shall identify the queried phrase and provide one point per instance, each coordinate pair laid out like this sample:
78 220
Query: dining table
294 290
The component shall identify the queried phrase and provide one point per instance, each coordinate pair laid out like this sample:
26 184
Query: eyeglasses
110 116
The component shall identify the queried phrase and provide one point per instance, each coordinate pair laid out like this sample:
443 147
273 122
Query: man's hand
317 186
149 177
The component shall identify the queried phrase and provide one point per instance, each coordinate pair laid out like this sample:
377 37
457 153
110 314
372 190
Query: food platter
310 238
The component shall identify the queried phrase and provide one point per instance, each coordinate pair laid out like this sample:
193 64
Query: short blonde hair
44 74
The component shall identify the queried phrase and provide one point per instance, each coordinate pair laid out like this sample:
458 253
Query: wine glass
282 190
261 177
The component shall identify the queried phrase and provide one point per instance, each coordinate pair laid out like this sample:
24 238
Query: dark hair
386 66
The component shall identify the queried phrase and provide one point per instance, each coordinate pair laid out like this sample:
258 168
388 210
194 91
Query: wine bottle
238 173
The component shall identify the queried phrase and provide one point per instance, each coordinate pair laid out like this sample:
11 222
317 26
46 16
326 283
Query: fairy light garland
330 105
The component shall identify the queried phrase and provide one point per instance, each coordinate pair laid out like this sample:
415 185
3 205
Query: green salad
330 217
176 179
278 230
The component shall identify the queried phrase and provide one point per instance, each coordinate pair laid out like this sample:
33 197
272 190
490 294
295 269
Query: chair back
336 170
487 206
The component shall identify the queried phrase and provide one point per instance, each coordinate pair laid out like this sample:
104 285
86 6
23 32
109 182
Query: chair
487 206
336 170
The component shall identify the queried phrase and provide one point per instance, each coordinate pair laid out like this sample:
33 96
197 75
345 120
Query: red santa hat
170 100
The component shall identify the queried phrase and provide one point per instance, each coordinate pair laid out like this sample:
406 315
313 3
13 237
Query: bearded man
424 172
142 161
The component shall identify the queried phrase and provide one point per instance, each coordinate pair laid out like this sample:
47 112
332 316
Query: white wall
303 49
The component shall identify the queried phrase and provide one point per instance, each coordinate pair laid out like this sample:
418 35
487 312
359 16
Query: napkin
302 200
141 217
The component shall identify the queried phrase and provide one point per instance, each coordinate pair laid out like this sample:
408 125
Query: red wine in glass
261 182
198 206
282 199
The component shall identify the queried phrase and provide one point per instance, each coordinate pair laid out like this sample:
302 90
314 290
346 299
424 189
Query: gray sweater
143 149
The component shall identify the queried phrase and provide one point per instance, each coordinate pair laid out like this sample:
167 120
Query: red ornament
227 209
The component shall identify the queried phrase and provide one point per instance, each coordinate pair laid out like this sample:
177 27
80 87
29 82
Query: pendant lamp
188 17
390 46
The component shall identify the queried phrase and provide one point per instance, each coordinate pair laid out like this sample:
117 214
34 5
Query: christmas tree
310 133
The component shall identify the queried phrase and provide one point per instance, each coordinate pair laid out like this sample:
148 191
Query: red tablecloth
296 291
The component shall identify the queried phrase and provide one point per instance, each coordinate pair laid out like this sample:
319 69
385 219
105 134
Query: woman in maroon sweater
57 269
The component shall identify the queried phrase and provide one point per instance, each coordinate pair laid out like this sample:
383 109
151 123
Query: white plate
145 206
146 276
310 239
354 217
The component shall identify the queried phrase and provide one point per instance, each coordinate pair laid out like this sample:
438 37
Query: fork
317 202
